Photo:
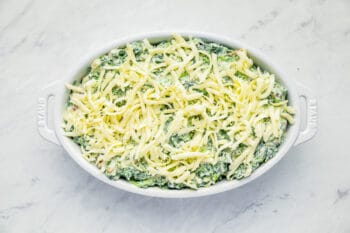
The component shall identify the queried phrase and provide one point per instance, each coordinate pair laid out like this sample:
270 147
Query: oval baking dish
295 135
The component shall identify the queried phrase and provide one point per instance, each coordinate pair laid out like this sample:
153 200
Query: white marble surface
43 190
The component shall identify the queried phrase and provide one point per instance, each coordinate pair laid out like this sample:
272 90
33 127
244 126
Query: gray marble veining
43 190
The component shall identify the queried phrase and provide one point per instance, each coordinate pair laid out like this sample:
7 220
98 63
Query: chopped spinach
94 74
228 58
175 186
242 75
186 81
118 91
131 173
210 173
212 48
239 173
158 58
227 79
167 123
278 93
120 103
81 141
202 91
139 50
222 134
264 152
159 181
176 140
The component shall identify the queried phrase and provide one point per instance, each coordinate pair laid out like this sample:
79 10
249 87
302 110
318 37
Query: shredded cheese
132 112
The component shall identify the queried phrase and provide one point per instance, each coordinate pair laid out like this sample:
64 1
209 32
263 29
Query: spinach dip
181 113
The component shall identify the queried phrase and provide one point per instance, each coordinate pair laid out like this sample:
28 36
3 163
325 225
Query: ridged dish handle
43 113
311 115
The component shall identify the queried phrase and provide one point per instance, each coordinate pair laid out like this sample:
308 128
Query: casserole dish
294 134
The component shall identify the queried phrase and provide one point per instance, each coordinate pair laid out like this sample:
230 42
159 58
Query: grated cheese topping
182 113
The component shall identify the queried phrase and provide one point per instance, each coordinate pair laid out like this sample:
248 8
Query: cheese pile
129 114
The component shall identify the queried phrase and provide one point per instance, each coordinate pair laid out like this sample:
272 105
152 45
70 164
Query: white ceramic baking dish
295 134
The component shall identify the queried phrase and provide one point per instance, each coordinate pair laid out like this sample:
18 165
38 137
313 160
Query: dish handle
311 115
43 113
